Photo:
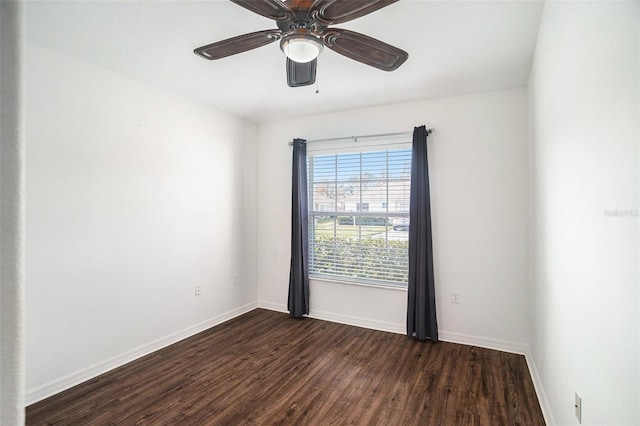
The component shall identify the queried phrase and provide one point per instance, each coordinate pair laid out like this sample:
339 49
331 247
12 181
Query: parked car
401 224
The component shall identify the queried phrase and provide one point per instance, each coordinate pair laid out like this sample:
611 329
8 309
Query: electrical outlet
197 289
578 407
455 297
235 279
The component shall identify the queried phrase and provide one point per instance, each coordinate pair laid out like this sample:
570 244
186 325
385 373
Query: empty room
314 212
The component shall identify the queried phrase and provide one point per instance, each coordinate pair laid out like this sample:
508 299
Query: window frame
359 212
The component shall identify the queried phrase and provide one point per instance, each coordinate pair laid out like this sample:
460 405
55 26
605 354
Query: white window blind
359 213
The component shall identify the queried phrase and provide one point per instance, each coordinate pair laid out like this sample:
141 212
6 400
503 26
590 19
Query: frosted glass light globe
301 49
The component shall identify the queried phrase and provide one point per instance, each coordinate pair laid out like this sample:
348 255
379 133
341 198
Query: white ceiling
454 47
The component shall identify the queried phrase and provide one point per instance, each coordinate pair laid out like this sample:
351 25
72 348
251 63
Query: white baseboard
58 385
359 322
340 319
446 336
537 384
273 307
482 342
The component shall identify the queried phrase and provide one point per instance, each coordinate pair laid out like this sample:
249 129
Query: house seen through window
359 215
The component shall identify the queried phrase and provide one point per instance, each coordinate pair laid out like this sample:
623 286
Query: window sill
356 283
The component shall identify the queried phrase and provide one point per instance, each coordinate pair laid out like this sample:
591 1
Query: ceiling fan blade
272 9
364 49
301 74
330 12
231 46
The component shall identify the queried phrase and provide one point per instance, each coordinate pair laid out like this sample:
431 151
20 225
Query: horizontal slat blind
359 215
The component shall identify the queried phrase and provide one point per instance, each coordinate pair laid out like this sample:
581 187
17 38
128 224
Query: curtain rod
355 138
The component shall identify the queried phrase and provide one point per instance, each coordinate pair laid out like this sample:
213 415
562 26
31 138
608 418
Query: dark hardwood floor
264 368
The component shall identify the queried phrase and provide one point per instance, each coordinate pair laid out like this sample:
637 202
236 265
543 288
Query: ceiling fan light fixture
303 30
301 48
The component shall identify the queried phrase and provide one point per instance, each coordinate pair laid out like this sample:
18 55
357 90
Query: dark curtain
421 308
298 302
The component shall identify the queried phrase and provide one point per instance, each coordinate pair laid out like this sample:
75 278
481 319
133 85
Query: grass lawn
325 228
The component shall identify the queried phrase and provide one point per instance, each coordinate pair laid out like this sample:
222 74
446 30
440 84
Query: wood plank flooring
264 368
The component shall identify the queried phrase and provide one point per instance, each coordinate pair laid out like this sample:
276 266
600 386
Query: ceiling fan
303 31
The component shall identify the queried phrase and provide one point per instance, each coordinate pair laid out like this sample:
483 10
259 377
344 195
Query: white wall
478 169
12 197
584 154
134 195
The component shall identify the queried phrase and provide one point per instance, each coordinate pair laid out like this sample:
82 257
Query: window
358 228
